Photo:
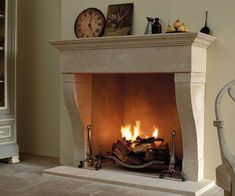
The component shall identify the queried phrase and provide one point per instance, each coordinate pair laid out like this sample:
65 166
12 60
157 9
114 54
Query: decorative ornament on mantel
205 29
153 26
177 27
89 23
119 19
157 27
148 29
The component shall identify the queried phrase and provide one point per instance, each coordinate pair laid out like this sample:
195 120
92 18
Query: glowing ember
130 135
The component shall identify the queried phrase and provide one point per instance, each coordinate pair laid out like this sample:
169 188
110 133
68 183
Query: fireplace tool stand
90 160
171 172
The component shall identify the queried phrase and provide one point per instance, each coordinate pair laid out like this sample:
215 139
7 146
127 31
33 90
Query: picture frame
119 19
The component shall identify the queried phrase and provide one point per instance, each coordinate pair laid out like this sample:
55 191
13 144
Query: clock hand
89 24
91 30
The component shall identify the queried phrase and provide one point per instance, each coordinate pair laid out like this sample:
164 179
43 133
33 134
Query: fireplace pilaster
189 88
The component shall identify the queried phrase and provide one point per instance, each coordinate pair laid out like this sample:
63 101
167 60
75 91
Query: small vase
148 29
156 27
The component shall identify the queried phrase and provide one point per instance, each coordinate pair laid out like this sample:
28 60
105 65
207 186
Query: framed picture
119 19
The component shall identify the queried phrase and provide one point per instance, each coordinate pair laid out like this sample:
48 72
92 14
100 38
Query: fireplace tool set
136 155
171 172
90 160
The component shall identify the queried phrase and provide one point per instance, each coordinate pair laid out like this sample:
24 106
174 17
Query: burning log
145 140
122 147
141 150
135 150
159 152
122 151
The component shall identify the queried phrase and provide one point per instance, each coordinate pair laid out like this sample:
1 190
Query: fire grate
138 154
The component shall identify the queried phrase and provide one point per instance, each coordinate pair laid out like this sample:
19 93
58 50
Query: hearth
157 79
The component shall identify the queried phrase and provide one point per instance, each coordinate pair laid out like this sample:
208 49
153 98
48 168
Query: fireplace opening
135 101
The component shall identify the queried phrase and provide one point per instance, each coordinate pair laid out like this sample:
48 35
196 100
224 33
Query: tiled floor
26 178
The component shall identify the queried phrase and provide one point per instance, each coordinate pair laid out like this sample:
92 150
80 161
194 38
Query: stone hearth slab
133 179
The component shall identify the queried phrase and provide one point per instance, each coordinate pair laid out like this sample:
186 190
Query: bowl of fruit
177 27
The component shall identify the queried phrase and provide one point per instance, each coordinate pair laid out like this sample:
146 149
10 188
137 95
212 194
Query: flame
128 134
136 129
155 132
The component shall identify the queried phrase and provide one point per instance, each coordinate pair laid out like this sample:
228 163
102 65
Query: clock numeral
82 18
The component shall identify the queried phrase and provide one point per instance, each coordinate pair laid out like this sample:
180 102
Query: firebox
142 102
154 82
132 117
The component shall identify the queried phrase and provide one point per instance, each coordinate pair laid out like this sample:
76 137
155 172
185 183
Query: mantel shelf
136 41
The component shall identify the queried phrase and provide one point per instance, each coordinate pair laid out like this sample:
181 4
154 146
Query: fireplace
155 79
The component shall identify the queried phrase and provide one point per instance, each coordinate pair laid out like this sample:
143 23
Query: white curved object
225 173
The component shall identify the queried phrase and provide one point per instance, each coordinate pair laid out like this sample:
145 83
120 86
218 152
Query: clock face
89 23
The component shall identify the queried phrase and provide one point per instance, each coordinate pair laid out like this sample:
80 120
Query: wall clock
89 23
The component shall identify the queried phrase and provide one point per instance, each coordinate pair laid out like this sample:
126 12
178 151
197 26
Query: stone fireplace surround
182 54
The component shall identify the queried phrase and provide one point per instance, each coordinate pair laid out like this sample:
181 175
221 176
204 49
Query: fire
155 132
136 130
128 134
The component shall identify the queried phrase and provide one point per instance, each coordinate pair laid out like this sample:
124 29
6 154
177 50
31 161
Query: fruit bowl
177 27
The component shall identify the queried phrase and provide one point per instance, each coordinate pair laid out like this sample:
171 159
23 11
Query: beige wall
221 58
38 87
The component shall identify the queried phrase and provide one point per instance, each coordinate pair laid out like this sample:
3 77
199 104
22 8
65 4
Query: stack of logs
141 150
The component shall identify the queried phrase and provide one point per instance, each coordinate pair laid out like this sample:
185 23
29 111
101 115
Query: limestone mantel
183 54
